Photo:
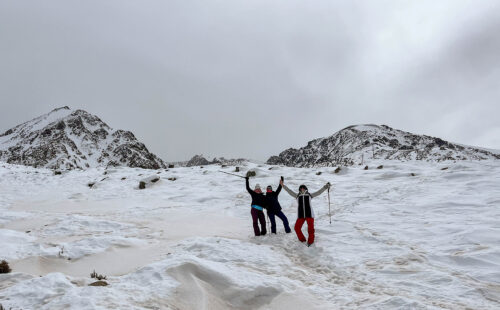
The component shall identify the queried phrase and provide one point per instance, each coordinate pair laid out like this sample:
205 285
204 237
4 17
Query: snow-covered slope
69 139
363 143
408 236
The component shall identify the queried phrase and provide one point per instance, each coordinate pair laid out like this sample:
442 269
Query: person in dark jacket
259 202
274 209
305 212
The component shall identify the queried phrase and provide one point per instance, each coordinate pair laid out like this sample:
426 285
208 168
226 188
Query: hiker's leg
298 229
255 217
262 220
273 221
282 216
310 230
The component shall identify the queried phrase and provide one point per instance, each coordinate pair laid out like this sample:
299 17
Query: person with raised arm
259 202
305 212
274 208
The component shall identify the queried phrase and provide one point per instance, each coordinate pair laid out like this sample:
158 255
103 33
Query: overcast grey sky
252 78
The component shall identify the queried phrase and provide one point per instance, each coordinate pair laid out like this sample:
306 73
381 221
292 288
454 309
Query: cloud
249 79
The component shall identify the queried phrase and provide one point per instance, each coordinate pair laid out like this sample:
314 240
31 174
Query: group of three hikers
269 201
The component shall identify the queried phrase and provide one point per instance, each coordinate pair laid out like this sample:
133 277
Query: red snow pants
310 229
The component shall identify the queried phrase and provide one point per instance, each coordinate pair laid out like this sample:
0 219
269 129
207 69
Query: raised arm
292 193
248 186
278 190
316 194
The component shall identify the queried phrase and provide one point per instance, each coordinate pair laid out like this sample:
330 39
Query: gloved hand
328 185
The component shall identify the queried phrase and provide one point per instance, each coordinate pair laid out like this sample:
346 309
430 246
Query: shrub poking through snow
95 275
237 169
251 173
337 170
318 173
380 167
366 167
4 267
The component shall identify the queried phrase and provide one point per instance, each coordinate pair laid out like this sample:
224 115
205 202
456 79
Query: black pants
282 216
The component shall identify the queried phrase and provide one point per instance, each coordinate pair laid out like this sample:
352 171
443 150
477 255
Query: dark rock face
362 143
197 160
67 139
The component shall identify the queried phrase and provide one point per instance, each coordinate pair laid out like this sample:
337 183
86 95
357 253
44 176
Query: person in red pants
305 212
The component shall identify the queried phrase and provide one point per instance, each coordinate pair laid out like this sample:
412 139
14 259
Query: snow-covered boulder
146 182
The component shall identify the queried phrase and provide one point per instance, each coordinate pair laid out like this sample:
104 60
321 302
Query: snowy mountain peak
59 109
359 144
69 139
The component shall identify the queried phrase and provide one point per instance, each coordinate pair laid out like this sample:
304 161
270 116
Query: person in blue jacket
259 202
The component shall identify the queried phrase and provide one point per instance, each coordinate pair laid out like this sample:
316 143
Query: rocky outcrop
73 139
197 160
364 143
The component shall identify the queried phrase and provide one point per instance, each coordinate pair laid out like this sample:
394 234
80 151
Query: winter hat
257 186
302 186
269 188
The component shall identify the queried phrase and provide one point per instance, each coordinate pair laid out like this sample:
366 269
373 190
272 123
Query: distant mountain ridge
73 139
200 160
359 144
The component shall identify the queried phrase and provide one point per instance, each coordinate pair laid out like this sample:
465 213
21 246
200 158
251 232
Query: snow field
396 241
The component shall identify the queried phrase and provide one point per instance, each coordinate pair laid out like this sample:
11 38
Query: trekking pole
236 175
329 209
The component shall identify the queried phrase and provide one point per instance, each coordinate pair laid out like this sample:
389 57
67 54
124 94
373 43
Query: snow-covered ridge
73 139
359 144
200 160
